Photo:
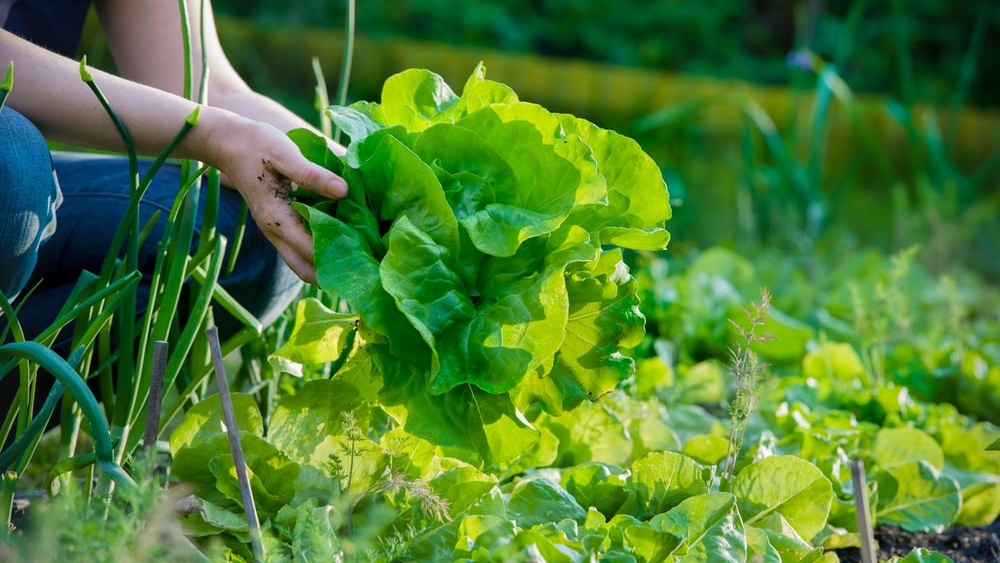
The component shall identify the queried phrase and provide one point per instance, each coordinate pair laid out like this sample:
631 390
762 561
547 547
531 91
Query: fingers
319 180
283 227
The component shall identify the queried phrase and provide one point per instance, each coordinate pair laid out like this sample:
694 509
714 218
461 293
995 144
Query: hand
263 164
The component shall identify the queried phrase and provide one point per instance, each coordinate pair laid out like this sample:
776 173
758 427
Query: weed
749 373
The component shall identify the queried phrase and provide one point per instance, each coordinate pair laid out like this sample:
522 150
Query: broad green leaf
708 449
416 99
353 122
661 480
897 446
397 183
788 486
316 148
637 195
553 176
834 360
596 484
341 249
479 92
787 547
201 436
704 383
604 319
591 432
212 519
319 334
463 487
272 475
477 536
420 275
995 446
309 425
710 527
506 339
464 417
535 501
641 538
204 420
980 496
917 497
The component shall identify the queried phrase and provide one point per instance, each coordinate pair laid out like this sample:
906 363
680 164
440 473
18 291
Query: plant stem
345 67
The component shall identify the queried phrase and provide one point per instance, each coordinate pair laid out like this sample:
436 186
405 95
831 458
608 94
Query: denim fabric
29 196
95 189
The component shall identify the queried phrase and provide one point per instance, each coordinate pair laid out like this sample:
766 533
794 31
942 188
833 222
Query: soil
961 543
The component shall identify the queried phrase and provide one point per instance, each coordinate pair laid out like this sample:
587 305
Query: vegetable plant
481 249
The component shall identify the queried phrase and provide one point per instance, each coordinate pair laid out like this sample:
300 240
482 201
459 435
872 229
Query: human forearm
257 158
49 91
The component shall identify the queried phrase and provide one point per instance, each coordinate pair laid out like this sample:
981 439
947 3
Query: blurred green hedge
901 47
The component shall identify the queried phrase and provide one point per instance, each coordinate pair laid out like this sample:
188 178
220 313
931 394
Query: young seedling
749 373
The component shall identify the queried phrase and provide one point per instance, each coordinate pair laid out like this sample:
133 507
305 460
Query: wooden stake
152 430
864 515
229 416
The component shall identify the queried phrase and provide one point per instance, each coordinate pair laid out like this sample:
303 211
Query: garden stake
212 333
861 509
160 348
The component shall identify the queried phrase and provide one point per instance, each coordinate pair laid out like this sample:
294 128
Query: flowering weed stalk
749 373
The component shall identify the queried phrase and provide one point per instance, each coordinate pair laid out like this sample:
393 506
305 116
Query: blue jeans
42 244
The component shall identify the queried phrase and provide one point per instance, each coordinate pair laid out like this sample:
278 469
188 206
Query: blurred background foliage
848 124
746 39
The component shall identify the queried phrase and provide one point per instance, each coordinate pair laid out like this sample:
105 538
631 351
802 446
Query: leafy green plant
478 238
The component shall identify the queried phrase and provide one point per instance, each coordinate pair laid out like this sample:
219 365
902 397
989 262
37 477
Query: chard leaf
917 497
787 486
710 526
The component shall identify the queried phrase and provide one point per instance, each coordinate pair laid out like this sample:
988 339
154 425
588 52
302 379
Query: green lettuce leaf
477 245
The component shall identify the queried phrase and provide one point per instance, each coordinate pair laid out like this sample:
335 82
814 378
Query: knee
28 198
